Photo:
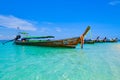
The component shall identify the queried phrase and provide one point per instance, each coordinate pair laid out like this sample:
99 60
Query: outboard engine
17 37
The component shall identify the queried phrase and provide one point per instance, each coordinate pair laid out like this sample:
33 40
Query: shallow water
100 61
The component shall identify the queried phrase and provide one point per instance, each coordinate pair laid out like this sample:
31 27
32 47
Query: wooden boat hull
70 43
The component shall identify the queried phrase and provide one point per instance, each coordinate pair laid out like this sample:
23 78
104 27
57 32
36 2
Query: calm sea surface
100 61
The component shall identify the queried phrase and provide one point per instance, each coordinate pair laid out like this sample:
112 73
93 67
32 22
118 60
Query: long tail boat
69 42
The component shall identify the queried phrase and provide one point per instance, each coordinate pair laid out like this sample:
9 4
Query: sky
60 18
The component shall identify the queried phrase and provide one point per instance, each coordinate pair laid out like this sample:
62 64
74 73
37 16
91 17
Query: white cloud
14 22
113 3
44 29
6 37
1 35
58 29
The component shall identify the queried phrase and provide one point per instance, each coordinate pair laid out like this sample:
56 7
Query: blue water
100 61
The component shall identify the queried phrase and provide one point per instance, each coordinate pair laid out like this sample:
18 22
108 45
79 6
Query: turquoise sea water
100 61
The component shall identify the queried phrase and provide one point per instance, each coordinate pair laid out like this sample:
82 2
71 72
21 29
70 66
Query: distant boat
46 41
89 41
105 40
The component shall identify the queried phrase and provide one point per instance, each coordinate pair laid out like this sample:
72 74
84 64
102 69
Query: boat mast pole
18 29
